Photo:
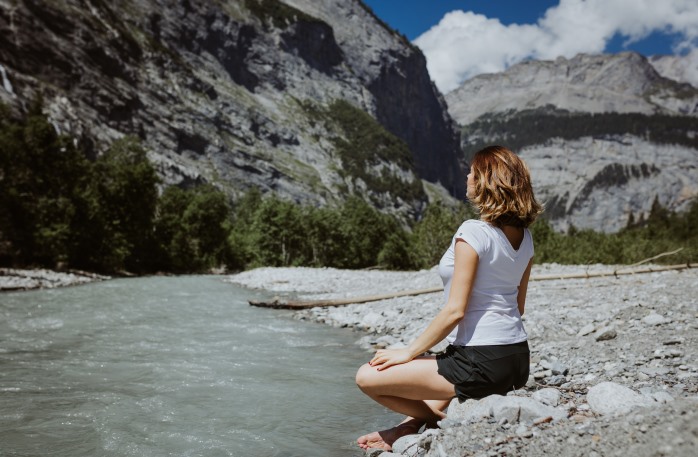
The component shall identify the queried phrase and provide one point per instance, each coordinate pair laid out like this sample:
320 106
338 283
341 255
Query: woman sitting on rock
485 273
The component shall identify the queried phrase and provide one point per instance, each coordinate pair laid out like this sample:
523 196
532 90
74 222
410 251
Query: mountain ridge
604 135
218 91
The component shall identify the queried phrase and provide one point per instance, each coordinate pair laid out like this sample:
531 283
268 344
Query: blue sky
462 38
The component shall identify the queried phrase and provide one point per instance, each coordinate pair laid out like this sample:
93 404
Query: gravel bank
613 359
14 279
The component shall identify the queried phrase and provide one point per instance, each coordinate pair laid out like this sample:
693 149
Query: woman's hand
386 358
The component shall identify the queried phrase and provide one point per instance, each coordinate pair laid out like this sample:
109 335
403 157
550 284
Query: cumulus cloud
464 44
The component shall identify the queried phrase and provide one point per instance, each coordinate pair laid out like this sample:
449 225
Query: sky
464 38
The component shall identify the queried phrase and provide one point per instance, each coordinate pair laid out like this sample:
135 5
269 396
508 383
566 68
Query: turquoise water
174 366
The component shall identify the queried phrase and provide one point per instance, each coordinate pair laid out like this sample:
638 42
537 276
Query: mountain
314 101
604 135
679 68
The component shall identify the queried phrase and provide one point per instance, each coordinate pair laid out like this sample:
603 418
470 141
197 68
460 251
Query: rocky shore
15 279
614 370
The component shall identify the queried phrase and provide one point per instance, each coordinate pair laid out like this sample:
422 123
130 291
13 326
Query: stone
610 398
556 380
523 431
559 368
470 410
605 333
654 319
374 452
661 396
547 396
528 409
586 330
407 445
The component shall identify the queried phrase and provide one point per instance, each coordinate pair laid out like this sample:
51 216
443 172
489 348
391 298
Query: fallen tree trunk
304 304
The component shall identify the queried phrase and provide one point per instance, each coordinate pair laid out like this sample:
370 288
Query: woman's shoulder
476 232
475 225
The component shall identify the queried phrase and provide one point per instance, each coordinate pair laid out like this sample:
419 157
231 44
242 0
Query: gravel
613 359
16 279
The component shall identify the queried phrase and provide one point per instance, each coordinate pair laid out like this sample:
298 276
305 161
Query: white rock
587 329
547 396
654 319
605 333
511 408
610 398
661 397
407 445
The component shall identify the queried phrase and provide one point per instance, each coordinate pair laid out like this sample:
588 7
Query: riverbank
16 279
614 366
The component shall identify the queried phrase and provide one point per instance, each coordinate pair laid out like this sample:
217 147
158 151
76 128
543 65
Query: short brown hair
503 190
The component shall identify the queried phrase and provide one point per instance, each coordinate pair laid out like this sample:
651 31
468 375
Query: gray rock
559 368
586 330
523 431
470 410
407 445
556 380
605 333
654 319
609 398
547 396
661 397
512 408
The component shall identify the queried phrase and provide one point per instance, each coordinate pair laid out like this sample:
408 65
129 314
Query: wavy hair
503 193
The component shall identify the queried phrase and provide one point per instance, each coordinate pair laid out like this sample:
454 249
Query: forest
61 209
518 129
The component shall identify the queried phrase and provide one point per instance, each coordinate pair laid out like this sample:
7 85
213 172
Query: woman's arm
465 269
523 288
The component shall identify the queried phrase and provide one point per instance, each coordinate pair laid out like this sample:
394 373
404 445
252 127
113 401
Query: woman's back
492 315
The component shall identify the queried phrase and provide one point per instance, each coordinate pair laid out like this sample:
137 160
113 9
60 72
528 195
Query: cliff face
239 93
622 83
604 136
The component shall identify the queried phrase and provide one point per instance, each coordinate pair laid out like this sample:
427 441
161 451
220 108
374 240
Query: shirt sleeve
472 233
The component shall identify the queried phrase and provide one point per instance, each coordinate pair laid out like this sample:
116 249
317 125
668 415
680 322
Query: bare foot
385 438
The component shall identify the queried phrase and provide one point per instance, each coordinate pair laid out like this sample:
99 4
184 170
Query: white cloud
464 44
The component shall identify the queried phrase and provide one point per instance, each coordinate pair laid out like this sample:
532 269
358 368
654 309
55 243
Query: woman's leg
414 389
403 388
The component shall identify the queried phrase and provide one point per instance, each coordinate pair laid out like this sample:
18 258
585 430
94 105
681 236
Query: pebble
654 319
605 333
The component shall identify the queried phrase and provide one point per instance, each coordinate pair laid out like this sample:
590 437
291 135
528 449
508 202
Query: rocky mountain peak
604 135
622 83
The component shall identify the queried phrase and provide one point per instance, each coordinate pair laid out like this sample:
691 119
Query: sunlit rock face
604 136
599 183
234 93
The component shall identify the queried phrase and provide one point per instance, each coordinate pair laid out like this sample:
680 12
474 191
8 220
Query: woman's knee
366 377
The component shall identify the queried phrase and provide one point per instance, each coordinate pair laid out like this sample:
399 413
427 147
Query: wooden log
304 304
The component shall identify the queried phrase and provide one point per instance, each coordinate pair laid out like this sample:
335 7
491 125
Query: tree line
60 209
518 129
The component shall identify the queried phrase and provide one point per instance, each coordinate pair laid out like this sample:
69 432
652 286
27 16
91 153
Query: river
174 366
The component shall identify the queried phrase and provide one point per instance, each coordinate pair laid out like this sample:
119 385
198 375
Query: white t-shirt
492 316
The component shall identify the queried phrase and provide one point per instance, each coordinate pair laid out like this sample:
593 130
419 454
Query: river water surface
174 366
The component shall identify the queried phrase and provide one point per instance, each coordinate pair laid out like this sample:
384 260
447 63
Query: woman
485 273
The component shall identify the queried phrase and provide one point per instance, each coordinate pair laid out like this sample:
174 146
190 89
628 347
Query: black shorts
479 371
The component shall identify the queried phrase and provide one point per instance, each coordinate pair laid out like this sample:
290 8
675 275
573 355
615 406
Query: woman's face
470 192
